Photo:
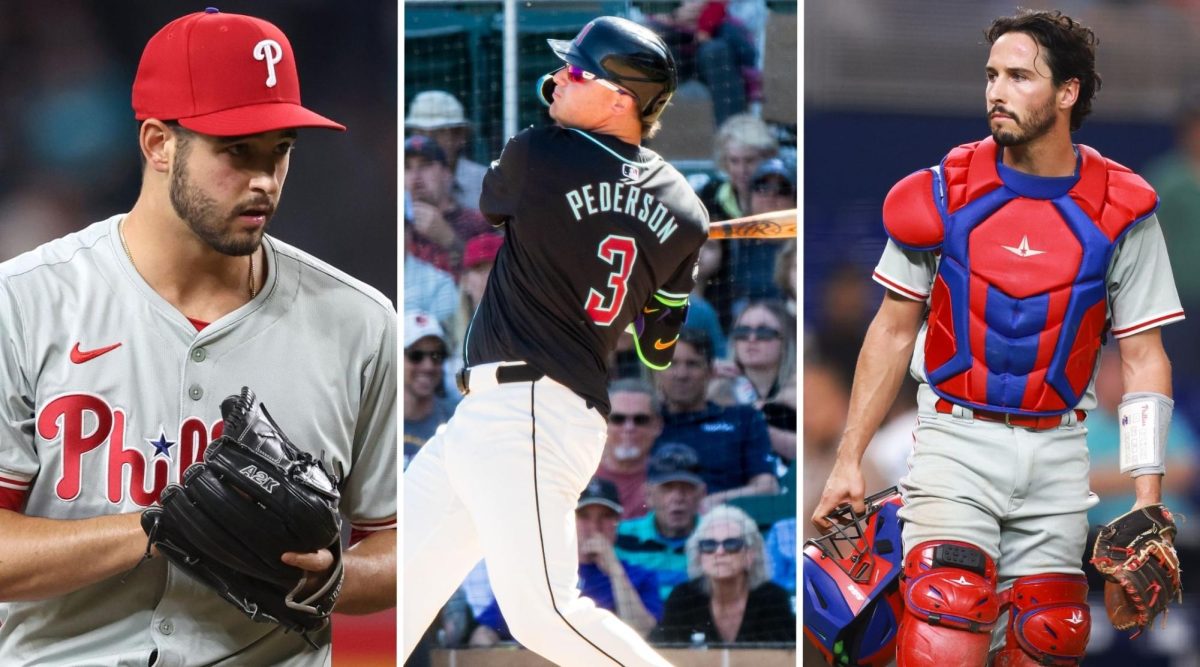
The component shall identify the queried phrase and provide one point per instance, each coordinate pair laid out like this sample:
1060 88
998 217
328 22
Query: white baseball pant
500 481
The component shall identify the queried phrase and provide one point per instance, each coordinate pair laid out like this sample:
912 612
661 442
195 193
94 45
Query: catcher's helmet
623 52
852 601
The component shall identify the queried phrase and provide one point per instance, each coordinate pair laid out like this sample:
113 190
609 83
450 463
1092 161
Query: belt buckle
461 379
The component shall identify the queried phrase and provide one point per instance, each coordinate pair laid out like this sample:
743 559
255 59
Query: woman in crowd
763 373
728 598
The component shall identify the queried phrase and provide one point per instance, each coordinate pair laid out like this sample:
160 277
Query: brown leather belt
1008 419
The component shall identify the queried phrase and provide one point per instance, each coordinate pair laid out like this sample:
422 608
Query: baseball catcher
253 498
1135 554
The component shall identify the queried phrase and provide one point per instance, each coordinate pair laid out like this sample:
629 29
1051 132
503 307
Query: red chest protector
1018 305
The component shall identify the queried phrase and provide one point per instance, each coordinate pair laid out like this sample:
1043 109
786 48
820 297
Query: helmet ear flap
545 88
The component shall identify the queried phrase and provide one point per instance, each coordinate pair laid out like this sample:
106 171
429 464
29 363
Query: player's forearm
1147 490
45 558
370 584
882 363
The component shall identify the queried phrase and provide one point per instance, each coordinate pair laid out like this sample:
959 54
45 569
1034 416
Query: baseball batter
1007 263
600 232
120 341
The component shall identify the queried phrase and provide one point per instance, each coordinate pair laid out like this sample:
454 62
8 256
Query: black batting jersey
595 226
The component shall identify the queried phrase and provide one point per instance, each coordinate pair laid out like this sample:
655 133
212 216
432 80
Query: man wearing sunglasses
426 405
602 235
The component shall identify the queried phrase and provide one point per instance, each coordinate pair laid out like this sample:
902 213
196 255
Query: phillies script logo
85 424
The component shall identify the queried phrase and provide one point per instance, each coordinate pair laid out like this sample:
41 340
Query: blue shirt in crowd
731 443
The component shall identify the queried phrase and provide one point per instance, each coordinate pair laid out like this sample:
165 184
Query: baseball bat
771 225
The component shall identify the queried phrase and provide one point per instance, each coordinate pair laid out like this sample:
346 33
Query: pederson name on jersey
623 198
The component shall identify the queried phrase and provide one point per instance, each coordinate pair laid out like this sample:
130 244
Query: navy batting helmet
623 52
852 602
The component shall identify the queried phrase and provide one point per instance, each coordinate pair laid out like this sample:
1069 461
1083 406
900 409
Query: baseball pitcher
119 347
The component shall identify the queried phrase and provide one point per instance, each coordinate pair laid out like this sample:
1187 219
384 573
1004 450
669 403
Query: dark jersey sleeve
501 195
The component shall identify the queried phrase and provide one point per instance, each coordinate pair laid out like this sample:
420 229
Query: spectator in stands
479 256
439 225
629 591
732 442
781 554
772 187
729 598
764 355
633 425
426 287
710 44
426 406
752 261
656 540
741 144
785 275
439 116
701 314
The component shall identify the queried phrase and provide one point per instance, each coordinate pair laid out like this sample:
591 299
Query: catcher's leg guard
1048 623
950 605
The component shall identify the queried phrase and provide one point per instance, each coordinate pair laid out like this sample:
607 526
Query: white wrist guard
1145 417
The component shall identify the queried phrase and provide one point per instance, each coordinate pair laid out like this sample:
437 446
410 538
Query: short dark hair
1070 50
698 339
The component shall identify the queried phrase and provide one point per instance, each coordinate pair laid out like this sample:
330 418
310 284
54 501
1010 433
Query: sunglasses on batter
731 545
620 419
579 75
761 333
417 356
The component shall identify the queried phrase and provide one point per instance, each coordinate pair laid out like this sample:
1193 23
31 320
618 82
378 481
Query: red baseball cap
222 75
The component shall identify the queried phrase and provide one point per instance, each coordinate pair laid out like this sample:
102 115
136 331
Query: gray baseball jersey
109 393
1141 291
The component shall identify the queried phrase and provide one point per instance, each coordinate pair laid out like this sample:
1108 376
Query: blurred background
69 157
890 87
469 74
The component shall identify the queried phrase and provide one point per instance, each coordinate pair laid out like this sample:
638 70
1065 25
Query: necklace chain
121 233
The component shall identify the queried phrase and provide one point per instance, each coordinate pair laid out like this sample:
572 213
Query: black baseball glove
254 497
1135 554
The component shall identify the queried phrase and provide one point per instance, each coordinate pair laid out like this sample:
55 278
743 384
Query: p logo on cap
223 75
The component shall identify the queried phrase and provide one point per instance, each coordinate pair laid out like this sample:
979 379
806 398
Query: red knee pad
950 604
1048 623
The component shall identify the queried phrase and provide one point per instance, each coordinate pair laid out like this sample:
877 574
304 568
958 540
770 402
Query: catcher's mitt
1135 554
254 497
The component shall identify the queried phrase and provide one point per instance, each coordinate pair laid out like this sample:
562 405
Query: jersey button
195 392
166 627
199 354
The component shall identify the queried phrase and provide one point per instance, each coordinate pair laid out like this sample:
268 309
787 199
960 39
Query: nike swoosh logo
79 356
659 345
650 311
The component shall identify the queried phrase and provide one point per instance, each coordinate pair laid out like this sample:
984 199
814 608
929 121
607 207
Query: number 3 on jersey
621 253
